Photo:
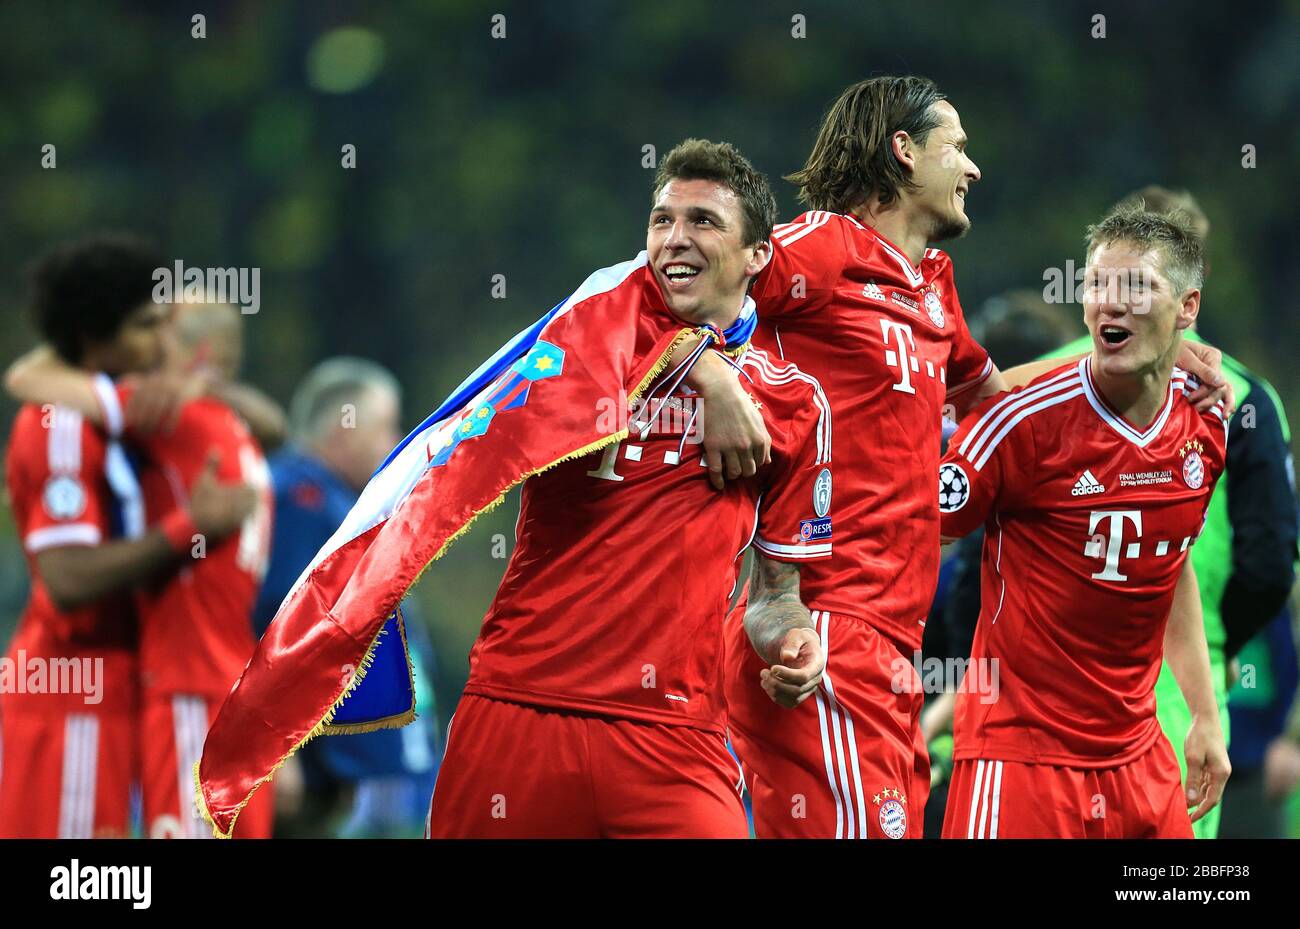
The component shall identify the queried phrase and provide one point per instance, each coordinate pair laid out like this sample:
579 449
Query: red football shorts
1010 800
65 773
849 762
172 730
516 771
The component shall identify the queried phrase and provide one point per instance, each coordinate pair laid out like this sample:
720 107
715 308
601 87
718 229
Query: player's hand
1281 768
1205 363
735 439
798 671
156 399
219 509
1207 766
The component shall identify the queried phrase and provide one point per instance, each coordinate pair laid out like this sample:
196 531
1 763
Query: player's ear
758 260
1188 309
903 147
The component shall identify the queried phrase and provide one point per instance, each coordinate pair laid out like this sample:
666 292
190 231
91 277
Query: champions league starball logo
954 488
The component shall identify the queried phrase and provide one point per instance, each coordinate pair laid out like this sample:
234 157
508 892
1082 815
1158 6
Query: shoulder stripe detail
980 379
995 415
786 374
1188 384
789 373
63 442
109 403
1044 402
789 233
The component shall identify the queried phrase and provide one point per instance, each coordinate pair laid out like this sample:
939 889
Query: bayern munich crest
893 813
1193 470
954 488
934 308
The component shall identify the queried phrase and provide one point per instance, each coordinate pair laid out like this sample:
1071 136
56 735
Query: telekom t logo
1113 545
900 359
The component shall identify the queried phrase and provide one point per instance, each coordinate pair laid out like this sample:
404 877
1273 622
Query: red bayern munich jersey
1089 520
626 559
196 628
57 474
889 344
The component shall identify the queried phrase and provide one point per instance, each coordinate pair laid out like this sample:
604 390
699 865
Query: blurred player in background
70 758
196 631
1094 480
1260 799
344 419
594 706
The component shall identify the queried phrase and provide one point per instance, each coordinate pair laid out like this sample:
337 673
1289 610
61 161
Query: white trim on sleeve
820 550
67 534
983 376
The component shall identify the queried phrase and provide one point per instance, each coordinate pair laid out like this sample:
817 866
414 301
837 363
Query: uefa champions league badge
954 487
1193 466
893 812
934 308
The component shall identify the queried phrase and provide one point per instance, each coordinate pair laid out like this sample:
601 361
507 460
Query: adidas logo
1087 484
872 292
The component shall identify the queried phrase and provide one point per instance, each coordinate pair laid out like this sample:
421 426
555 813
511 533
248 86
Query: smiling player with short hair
594 706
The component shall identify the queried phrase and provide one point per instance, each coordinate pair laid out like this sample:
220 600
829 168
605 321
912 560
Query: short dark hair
84 290
1173 234
702 160
852 159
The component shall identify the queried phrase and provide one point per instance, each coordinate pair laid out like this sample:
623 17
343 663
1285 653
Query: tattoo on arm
774 606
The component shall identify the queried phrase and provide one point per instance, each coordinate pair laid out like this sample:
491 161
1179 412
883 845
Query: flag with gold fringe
334 659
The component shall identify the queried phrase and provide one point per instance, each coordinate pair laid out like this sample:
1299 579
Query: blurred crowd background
517 147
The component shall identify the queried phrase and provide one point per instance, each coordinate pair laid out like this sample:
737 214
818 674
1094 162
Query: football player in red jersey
70 752
196 632
594 706
1093 482
854 297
